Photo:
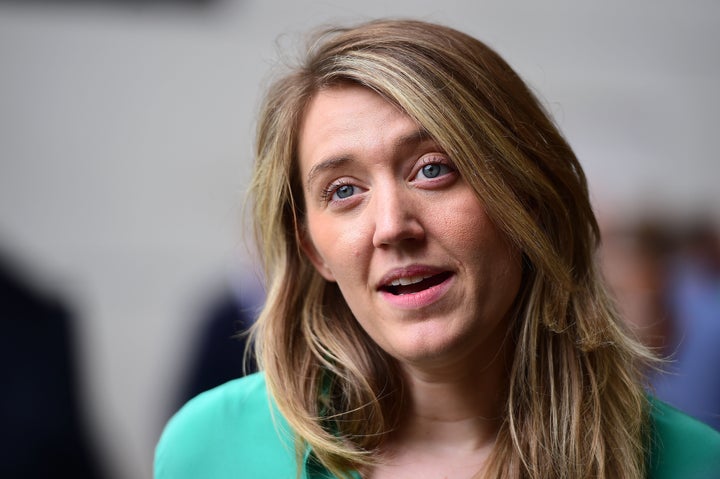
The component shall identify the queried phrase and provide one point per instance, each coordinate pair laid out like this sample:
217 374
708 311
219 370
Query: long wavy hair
575 404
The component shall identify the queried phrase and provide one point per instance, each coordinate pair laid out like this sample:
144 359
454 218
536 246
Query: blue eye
344 191
433 170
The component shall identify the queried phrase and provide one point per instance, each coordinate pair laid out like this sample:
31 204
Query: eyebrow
325 165
413 138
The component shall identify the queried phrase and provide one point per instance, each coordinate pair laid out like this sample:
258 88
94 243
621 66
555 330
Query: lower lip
421 299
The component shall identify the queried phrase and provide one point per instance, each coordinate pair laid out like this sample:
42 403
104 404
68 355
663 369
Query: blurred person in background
666 278
221 349
434 307
636 262
692 382
43 432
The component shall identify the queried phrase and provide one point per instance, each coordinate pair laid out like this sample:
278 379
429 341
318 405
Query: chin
436 345
431 346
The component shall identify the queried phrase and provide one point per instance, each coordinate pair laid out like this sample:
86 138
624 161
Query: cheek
341 246
468 226
485 246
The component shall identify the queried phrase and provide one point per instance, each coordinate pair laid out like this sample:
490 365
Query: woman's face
423 269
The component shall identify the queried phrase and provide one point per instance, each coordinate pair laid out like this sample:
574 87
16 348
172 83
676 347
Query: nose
397 217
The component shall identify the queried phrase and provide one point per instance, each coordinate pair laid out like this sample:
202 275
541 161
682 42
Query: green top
233 431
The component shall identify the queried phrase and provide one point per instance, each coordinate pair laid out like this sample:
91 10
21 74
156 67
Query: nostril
396 220
399 229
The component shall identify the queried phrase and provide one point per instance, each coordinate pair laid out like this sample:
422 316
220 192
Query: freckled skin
396 217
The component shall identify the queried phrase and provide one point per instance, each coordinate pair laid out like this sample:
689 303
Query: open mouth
415 284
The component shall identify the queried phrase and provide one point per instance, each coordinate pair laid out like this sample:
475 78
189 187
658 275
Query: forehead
347 107
350 119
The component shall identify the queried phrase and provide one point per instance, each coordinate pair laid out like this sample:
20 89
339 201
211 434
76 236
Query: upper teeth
408 280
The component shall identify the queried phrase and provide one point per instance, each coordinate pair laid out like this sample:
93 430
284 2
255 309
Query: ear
315 258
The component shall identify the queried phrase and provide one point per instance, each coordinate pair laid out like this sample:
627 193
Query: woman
434 308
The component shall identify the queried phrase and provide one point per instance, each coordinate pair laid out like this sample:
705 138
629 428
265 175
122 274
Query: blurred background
126 132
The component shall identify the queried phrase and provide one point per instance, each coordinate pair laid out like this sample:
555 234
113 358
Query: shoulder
232 430
681 446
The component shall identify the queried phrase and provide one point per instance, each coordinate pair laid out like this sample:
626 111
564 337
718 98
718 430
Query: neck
458 406
452 413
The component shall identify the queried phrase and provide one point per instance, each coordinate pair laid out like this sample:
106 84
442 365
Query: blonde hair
575 404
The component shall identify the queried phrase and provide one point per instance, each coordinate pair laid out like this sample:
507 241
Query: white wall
126 139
